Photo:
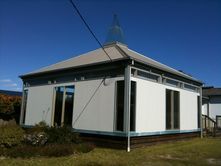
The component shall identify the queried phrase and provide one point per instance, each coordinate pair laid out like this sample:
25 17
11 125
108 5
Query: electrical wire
88 27
89 101
93 34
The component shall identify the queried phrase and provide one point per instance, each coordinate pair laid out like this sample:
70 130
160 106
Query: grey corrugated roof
211 91
116 51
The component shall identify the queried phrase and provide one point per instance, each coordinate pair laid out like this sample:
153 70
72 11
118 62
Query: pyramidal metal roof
116 51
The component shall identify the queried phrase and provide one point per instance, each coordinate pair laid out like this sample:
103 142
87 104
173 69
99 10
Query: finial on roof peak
115 32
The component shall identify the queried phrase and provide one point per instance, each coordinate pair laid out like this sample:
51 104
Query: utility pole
127 91
201 117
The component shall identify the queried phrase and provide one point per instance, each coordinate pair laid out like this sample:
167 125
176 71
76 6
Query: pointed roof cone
115 33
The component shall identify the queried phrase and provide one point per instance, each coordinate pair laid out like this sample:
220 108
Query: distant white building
129 96
212 104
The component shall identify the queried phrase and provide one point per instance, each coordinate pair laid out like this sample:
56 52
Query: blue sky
184 34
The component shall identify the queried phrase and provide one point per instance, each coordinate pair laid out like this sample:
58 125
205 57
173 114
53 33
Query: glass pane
132 106
120 106
172 82
176 102
68 110
24 105
168 109
148 75
58 105
190 87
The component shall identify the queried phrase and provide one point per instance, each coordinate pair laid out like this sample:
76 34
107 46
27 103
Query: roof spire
115 33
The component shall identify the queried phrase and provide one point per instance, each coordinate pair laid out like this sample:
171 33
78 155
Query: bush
61 135
52 150
40 127
36 135
41 134
36 138
10 135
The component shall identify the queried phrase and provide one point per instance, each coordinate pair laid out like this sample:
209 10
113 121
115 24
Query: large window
120 106
24 105
172 109
63 110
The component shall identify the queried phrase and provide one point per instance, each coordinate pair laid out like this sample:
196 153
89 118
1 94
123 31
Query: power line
89 101
88 27
92 33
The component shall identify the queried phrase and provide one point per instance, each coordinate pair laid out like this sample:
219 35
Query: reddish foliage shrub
9 103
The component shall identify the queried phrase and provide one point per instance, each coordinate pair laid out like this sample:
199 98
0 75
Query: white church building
123 98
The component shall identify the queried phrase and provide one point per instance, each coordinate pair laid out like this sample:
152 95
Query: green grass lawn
200 152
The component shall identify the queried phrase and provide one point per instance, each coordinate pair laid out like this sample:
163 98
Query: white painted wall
99 114
204 109
188 110
150 106
214 107
150 114
39 105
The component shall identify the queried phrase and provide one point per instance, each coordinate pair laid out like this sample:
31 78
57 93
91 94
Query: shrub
36 135
61 135
51 150
36 138
10 135
9 104
41 134
40 127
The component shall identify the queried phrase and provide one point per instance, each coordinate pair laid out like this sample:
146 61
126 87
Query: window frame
24 106
115 107
63 104
172 110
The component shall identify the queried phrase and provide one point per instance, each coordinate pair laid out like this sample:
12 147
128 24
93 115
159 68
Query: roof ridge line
122 51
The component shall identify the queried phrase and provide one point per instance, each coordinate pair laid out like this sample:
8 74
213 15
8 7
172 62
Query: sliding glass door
63 105
172 109
119 122
69 105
